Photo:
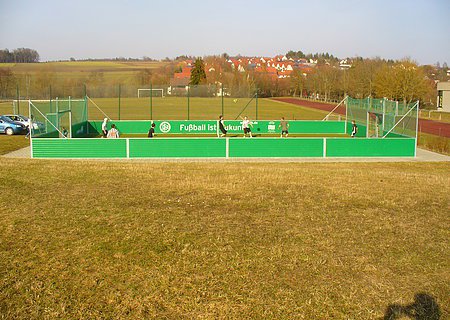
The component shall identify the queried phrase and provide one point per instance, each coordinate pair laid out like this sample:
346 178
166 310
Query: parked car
37 125
11 127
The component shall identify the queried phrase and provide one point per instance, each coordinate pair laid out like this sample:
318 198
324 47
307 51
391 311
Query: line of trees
19 55
319 56
402 80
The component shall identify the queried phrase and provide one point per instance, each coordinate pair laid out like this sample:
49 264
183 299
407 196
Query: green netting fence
62 118
383 117
171 102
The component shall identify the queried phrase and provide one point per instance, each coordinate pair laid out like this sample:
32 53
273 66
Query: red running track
427 126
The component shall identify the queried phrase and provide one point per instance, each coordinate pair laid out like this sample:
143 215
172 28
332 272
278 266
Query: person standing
354 128
113 133
222 126
105 127
151 132
284 125
64 132
246 124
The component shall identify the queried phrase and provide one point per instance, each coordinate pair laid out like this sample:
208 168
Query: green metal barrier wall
222 148
210 127
79 148
276 147
393 147
177 148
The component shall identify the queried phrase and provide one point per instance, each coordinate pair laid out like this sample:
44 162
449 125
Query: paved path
427 126
422 156
21 153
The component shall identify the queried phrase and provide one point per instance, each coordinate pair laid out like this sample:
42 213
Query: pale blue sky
419 29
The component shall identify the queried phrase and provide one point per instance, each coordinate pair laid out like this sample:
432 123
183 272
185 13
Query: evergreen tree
198 74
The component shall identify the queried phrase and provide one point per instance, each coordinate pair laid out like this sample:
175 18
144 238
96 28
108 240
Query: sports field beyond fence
177 108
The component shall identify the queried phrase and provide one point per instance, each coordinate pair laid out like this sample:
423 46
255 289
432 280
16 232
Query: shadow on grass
424 307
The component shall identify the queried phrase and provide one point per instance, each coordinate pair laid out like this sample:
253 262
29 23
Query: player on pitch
246 124
354 129
284 125
222 126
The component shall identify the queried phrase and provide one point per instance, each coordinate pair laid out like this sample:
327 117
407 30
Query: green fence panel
338 147
79 148
94 127
319 127
210 127
276 147
53 134
79 130
177 148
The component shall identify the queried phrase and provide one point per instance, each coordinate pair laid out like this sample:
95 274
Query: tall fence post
57 114
70 117
119 101
18 99
346 112
151 101
221 90
256 103
86 111
188 102
417 122
50 93
384 115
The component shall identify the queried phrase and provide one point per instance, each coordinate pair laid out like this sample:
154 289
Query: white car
37 125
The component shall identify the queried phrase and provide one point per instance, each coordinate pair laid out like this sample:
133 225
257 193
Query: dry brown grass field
235 240
11 143
80 66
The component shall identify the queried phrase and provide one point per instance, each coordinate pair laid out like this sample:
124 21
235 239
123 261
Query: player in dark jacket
151 132
354 129
222 126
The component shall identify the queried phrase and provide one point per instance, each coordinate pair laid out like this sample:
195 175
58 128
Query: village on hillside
278 67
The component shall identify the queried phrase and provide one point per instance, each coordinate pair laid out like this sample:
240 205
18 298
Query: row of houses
278 67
